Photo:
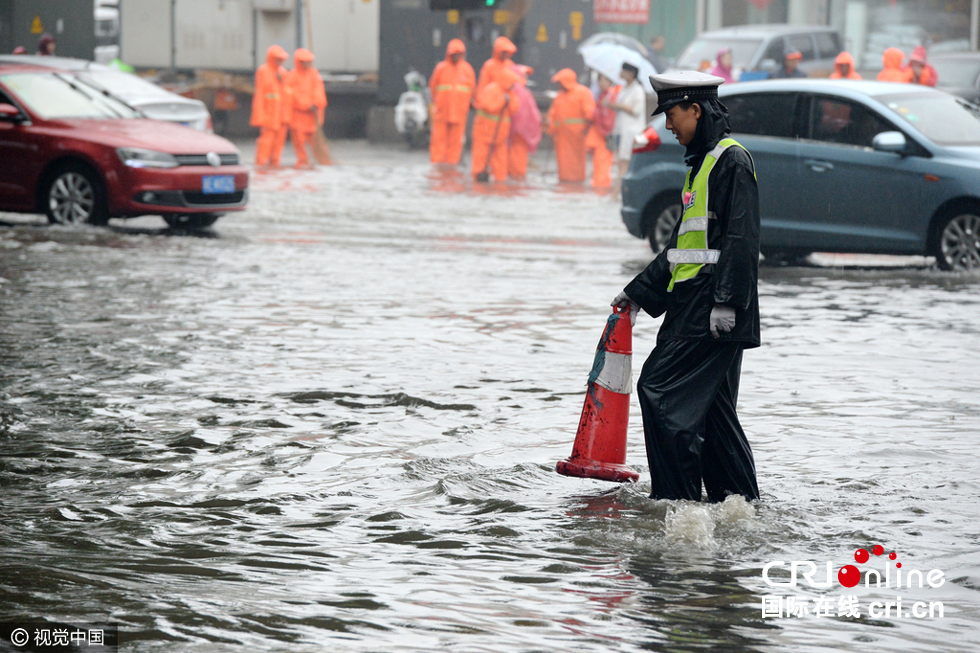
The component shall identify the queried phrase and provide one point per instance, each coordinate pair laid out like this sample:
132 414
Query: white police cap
683 86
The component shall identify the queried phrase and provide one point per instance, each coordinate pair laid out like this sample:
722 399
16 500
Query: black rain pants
687 392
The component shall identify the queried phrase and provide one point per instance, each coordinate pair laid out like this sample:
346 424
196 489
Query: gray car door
767 124
851 197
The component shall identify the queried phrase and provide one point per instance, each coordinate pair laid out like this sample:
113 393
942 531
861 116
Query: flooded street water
331 423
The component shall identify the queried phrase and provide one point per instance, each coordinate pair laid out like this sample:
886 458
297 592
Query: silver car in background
149 99
843 166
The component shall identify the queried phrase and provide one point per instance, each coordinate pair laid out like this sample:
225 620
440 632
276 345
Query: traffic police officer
705 285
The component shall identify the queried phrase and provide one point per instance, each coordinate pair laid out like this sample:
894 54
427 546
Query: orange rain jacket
452 86
893 71
270 103
569 119
844 58
489 105
309 98
492 66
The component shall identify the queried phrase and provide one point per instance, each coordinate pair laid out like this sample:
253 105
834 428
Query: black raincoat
689 384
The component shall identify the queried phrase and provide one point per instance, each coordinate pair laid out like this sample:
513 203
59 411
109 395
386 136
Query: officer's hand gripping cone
600 444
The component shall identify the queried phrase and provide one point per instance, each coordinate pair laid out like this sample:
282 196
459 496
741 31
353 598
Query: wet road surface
331 423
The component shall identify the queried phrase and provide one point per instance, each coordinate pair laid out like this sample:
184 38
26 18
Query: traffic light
462 5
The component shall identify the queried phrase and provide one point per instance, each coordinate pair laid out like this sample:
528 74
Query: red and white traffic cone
600 444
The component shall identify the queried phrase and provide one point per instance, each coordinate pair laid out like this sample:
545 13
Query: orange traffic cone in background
600 444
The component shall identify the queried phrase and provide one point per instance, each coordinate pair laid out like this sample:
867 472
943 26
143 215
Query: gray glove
722 319
623 298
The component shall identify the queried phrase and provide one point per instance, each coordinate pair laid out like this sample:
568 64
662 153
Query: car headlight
135 157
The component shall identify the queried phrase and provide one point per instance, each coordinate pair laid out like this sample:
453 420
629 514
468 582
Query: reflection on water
336 422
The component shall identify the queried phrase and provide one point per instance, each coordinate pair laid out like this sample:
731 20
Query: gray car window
776 51
828 45
845 123
763 114
803 44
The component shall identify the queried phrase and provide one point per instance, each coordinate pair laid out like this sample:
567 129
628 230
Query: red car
71 150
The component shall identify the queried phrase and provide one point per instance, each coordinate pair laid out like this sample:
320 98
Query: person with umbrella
705 283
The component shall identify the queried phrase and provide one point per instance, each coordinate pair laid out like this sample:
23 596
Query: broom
484 175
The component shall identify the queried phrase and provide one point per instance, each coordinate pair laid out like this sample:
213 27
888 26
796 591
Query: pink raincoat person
723 65
525 127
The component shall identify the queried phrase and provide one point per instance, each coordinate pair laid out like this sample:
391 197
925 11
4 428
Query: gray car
758 48
959 73
843 166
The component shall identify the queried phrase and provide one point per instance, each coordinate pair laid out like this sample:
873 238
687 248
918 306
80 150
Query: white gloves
722 319
623 298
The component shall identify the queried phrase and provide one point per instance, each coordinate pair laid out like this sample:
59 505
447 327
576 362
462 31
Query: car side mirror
889 142
10 113
769 65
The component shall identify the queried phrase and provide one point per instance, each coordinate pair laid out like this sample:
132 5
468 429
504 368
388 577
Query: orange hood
844 58
501 45
892 58
918 54
303 55
275 56
506 78
566 77
455 46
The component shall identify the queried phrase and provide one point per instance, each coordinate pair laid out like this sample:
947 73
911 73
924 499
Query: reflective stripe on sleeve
693 224
696 256
617 373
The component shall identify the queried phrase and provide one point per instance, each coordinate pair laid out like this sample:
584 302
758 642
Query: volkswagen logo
213 159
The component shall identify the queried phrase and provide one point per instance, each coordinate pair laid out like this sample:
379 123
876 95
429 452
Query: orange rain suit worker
568 122
603 121
309 103
503 52
844 67
452 86
271 107
893 71
495 105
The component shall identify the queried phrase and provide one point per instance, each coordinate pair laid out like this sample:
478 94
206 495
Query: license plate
218 184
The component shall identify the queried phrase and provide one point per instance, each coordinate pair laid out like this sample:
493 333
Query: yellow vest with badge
692 253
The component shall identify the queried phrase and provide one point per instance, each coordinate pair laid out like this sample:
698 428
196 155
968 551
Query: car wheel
664 215
74 195
957 245
191 222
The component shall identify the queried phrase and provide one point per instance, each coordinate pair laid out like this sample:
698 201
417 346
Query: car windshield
62 95
706 49
942 118
957 72
124 85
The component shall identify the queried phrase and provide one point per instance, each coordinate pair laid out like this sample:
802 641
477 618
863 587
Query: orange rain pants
446 144
301 139
517 155
602 159
268 147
